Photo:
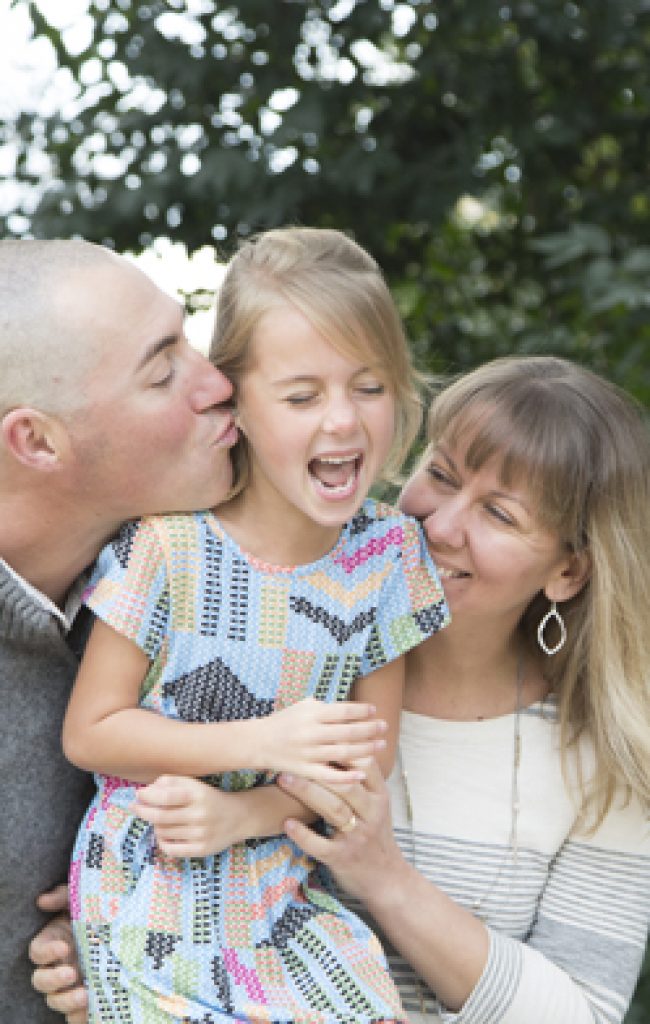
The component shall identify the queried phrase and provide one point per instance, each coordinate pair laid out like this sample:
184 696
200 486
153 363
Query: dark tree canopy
494 158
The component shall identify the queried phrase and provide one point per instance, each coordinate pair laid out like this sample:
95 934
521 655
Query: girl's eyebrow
302 378
307 378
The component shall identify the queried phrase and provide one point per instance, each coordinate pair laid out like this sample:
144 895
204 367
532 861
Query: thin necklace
512 850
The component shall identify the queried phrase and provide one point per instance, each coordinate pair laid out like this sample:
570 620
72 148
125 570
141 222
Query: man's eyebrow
154 349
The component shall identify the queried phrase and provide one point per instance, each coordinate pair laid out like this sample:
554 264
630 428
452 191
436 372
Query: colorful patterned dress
249 935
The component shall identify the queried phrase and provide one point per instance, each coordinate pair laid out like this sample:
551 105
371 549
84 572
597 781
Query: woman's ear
570 577
34 438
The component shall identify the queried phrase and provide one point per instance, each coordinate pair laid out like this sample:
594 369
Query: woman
516 886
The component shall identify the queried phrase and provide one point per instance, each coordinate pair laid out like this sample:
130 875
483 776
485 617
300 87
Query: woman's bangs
528 457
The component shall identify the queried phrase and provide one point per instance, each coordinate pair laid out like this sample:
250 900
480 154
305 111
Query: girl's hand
190 817
321 741
361 853
52 951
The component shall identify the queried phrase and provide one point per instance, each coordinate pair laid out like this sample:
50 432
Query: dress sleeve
411 605
583 956
129 588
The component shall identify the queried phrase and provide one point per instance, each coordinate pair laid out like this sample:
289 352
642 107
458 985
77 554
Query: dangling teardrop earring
551 614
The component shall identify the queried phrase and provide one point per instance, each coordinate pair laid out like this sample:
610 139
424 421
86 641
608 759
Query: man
106 413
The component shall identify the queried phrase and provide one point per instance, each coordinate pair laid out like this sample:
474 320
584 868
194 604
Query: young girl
225 644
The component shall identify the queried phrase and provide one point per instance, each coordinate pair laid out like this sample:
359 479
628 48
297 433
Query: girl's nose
340 415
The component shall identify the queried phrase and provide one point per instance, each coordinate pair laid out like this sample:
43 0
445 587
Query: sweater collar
30 603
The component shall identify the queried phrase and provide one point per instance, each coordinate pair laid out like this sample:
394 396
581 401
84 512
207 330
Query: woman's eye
439 475
371 389
498 513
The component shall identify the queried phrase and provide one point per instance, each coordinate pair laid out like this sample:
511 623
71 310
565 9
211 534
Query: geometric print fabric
248 934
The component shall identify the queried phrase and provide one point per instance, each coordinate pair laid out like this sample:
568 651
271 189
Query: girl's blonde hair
341 291
582 448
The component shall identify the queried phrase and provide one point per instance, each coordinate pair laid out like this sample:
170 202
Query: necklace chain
512 850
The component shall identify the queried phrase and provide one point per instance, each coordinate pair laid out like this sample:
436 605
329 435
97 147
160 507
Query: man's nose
211 386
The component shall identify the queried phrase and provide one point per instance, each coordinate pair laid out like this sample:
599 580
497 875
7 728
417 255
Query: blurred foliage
493 157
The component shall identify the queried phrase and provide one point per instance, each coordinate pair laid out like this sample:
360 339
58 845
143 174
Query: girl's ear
33 438
570 577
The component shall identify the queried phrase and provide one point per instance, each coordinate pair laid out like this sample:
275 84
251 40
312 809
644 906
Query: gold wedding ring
350 823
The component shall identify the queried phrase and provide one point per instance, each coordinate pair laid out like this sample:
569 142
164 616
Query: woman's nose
445 524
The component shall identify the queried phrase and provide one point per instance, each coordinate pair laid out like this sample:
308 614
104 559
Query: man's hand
53 953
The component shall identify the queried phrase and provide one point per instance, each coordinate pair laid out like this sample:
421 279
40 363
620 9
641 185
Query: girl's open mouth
336 475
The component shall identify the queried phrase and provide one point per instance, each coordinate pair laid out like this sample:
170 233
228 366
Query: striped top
568 922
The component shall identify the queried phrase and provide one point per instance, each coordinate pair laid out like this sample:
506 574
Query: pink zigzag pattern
244 975
375 546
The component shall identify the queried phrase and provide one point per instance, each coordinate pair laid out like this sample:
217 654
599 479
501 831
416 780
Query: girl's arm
106 731
384 688
193 819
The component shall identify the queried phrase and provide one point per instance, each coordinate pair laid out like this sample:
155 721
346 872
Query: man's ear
570 577
34 438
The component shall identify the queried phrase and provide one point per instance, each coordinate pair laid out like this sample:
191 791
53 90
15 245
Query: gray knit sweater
43 797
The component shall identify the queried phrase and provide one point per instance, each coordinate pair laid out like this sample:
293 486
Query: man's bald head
47 344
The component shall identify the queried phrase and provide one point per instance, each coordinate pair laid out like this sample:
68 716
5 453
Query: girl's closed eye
301 397
372 389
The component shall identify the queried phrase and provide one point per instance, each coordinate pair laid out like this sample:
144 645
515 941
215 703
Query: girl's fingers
349 753
166 791
356 732
335 804
183 849
346 711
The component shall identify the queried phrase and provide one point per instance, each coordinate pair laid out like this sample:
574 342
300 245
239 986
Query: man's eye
164 381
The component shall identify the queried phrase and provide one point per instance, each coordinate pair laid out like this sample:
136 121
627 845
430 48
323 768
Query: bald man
106 413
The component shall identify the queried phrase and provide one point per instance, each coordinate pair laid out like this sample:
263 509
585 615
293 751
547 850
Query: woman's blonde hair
582 448
341 291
